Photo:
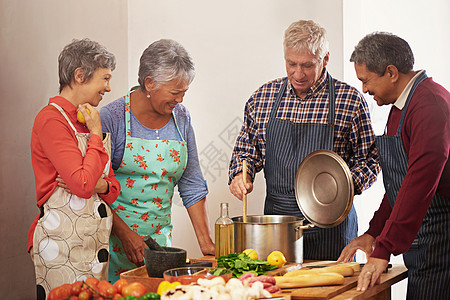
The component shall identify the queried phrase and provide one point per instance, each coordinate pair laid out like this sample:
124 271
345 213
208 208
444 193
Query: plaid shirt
354 140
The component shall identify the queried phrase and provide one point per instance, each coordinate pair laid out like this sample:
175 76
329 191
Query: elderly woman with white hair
75 183
153 150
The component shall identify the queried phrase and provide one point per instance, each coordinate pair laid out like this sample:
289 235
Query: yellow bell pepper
165 286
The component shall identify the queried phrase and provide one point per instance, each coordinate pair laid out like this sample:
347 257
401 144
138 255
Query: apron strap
178 128
332 111
65 116
127 114
278 99
419 79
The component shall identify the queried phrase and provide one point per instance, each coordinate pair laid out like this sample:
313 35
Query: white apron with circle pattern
70 241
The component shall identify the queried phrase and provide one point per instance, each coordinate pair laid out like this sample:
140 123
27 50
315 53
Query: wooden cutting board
322 292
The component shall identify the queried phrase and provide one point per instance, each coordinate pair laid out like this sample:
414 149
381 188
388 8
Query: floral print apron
70 241
147 174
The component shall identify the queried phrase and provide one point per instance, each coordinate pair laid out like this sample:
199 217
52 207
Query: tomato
76 288
54 294
135 289
73 298
60 292
106 288
119 284
92 281
85 295
117 297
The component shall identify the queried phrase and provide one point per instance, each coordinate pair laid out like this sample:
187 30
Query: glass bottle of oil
224 232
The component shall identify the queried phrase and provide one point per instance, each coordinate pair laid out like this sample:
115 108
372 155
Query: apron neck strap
332 96
418 80
127 113
278 99
65 115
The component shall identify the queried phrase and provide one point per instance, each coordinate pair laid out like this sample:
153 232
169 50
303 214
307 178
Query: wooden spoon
244 197
201 272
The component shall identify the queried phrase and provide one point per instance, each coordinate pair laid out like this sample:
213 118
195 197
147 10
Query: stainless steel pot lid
324 188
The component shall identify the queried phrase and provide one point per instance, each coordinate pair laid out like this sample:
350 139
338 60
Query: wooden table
336 292
382 291
348 289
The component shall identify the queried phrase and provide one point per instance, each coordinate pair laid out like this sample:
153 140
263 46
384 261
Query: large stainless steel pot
324 193
269 233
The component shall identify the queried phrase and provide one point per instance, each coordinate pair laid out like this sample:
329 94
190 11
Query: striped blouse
354 139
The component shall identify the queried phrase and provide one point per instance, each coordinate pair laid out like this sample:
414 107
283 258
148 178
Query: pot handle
303 227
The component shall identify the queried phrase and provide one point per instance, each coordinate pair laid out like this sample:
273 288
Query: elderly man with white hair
288 118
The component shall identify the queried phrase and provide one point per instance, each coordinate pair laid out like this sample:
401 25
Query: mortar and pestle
159 259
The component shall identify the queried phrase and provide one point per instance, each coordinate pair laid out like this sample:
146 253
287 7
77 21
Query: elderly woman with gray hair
75 183
153 150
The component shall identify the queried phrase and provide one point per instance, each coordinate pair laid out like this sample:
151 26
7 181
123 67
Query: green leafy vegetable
240 263
218 271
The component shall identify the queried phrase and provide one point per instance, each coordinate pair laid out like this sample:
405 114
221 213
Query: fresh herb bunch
240 263
218 271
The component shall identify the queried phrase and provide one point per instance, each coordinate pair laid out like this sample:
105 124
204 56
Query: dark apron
427 259
287 144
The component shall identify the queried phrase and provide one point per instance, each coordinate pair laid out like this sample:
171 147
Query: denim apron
70 241
287 144
427 259
148 173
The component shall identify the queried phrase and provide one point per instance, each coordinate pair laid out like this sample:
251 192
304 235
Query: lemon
80 116
251 253
276 258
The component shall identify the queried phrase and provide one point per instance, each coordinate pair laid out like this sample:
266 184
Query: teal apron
427 259
287 144
149 171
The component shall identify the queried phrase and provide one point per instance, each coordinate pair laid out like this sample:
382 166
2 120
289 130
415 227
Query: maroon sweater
426 138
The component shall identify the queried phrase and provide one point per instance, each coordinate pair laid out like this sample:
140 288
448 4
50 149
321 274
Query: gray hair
85 54
306 35
380 49
164 61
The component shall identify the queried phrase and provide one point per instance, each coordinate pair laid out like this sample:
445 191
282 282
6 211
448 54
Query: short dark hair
380 49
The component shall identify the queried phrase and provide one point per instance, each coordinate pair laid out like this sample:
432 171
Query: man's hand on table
371 273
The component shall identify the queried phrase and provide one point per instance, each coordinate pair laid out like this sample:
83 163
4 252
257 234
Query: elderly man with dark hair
414 215
288 118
